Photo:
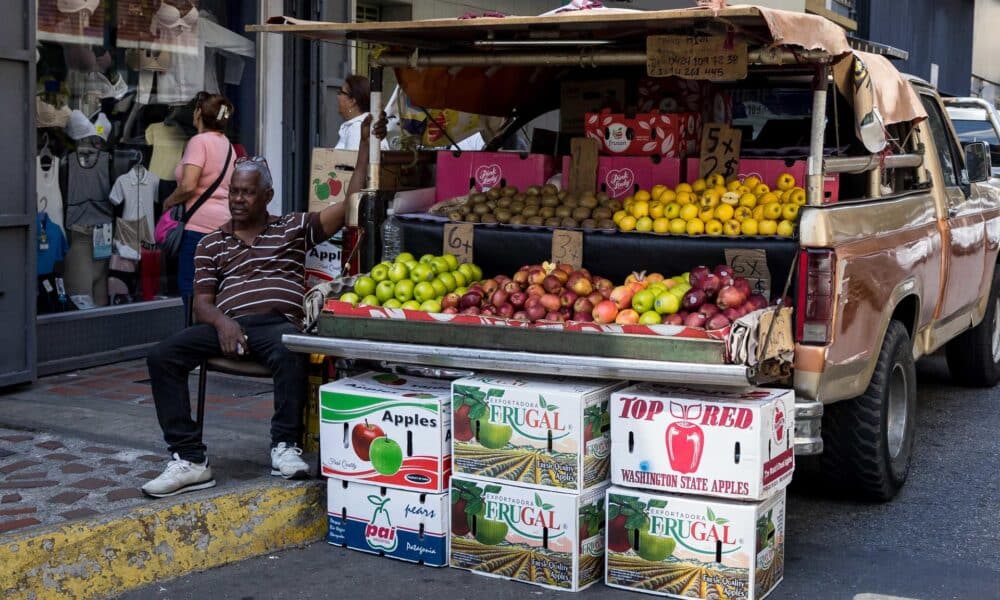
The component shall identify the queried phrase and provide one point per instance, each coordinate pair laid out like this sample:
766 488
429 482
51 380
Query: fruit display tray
669 343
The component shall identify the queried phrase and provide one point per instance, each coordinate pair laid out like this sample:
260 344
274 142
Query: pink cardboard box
621 176
648 134
768 169
456 175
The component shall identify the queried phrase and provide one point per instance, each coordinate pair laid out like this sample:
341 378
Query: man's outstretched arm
332 217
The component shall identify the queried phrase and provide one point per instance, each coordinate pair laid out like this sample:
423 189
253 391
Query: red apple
488 311
517 299
742 284
583 305
602 284
550 302
732 313
723 271
718 321
489 286
709 310
730 296
595 297
469 300
583 316
622 297
521 277
674 319
567 298
510 286
520 316
579 284
535 312
758 301
451 310
627 317
565 268
506 310
697 274
499 298
536 275
535 289
554 316
552 284
362 436
561 275
605 312
693 299
451 300
472 311
695 319
711 284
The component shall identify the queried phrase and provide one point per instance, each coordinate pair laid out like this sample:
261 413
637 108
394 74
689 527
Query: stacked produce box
697 506
384 443
530 460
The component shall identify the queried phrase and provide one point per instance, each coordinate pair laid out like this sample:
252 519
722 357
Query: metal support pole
814 190
374 144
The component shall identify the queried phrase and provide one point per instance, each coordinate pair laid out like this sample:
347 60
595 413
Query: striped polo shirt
264 277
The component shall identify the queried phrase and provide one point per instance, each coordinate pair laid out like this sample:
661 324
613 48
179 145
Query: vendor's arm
185 187
332 217
229 331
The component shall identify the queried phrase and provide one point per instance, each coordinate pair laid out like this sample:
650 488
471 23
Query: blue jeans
185 266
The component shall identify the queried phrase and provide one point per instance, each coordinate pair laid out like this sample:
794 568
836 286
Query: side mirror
977 161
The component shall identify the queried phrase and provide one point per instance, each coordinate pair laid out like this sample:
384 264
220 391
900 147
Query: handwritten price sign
720 150
751 264
567 247
711 57
458 241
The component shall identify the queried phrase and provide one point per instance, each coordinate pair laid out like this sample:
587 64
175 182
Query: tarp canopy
502 89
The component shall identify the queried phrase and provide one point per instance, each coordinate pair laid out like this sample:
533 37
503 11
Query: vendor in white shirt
353 102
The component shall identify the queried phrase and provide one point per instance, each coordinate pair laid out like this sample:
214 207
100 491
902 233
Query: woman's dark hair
216 110
360 91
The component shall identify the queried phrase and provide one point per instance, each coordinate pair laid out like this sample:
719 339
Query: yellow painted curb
111 554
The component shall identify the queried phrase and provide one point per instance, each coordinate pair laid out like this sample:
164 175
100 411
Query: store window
115 91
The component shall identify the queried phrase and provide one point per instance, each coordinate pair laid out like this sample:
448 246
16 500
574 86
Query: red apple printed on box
470 405
466 502
591 525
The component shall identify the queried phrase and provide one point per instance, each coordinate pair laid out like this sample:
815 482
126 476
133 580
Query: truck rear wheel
974 356
867 441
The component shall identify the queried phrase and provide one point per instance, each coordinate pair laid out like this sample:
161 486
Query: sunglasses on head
251 159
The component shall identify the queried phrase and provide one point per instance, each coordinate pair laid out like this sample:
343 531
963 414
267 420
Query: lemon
640 209
713 227
661 225
655 209
683 187
672 210
748 227
627 223
618 216
645 224
689 211
748 200
678 226
642 196
724 212
786 229
767 227
699 185
695 227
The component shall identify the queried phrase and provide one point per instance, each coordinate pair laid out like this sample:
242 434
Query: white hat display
72 6
102 126
50 116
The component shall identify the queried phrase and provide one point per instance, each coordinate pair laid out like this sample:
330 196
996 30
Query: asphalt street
939 539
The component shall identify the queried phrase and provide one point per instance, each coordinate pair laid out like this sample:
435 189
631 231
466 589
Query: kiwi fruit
508 190
480 209
503 202
606 224
562 194
588 224
588 201
553 222
602 196
550 189
547 212
473 218
517 220
529 211
519 197
602 212
580 213
503 215
615 206
488 218
532 190
569 222
492 193
571 201
550 201
563 211
535 220
516 207
477 197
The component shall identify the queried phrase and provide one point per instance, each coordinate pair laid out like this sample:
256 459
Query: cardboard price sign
458 241
711 57
751 264
720 150
776 325
567 247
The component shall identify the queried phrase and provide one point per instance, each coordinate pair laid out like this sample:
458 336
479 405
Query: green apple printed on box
384 429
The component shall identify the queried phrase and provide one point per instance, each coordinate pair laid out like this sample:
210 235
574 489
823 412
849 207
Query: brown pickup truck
902 265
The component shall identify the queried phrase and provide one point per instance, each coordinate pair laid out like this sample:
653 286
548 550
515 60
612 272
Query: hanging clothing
87 188
52 246
85 275
136 191
168 147
49 196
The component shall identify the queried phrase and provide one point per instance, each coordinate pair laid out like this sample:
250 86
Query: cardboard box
549 433
401 524
620 176
692 547
647 134
457 175
387 429
323 262
726 444
577 98
544 538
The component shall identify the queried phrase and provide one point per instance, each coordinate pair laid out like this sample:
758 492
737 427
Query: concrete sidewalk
74 449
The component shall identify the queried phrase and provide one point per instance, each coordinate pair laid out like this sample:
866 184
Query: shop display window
116 81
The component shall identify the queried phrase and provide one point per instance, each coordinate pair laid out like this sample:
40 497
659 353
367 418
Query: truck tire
974 356
867 441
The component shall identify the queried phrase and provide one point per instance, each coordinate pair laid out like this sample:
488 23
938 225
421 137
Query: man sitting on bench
249 285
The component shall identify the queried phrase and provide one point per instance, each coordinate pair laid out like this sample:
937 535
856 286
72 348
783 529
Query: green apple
404 290
477 273
452 261
490 533
380 272
385 290
680 289
427 258
411 264
650 317
657 289
461 280
364 286
652 547
667 303
461 290
466 270
431 306
398 272
392 303
404 257
440 289
440 265
350 297
448 280
424 291
491 435
411 305
642 301
422 272
386 456
370 300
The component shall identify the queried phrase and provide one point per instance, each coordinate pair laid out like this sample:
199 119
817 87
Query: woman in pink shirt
204 158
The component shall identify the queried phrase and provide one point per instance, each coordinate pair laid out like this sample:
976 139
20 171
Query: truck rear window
976 131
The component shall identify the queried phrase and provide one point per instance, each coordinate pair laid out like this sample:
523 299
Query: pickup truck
976 120
901 266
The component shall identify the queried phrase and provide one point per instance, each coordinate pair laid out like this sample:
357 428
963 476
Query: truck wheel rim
996 331
898 406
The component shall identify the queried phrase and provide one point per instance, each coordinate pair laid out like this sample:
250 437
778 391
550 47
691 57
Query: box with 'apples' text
403 524
694 547
387 429
550 433
551 539
728 444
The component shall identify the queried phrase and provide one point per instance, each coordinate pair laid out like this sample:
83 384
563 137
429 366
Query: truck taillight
351 252
815 296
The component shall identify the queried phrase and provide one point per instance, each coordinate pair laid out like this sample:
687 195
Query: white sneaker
286 462
180 476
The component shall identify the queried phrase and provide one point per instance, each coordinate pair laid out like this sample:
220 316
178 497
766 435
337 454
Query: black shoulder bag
171 246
